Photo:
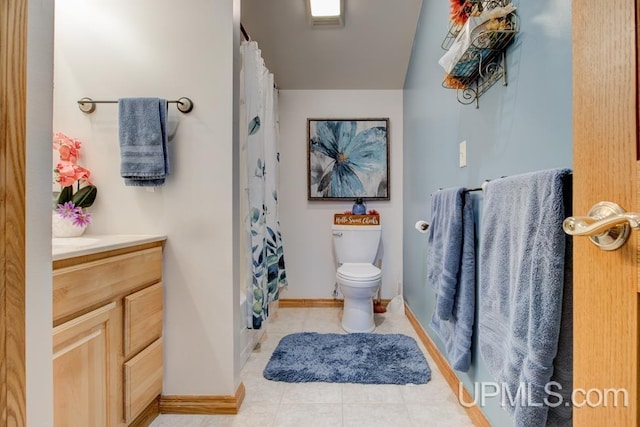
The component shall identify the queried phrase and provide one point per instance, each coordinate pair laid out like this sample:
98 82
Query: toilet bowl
358 283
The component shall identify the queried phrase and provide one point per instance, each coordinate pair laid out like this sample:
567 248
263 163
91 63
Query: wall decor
348 158
479 33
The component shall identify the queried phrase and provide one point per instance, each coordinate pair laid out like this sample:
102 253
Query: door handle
607 225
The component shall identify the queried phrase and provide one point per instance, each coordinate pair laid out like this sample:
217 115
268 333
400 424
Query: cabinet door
85 372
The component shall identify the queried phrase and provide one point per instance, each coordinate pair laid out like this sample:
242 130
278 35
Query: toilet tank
356 243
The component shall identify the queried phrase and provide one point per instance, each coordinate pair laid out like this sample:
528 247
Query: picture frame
348 159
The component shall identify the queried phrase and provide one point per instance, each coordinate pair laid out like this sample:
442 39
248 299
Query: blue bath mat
348 358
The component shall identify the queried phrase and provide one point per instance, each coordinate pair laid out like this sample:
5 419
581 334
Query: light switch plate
463 154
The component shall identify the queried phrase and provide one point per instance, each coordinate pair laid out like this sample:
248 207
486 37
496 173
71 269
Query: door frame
13 103
13 67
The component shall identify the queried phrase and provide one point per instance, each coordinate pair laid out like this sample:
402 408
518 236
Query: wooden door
85 370
13 101
605 123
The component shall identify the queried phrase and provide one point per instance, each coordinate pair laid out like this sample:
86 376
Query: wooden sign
350 219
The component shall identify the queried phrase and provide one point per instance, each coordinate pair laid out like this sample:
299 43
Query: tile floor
277 404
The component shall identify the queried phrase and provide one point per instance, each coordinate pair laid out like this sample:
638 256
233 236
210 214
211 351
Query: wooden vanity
107 334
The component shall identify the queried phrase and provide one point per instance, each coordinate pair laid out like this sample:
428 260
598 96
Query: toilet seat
359 272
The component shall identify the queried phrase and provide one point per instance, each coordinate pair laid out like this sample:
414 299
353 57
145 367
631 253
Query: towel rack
423 226
88 105
471 190
481 188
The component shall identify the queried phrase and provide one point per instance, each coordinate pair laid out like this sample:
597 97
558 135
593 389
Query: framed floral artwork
348 159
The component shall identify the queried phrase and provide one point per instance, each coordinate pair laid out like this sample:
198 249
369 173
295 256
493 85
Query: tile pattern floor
277 404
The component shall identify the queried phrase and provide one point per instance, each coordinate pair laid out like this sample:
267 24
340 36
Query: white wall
39 341
306 225
108 49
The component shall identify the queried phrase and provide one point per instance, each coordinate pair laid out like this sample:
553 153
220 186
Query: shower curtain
266 262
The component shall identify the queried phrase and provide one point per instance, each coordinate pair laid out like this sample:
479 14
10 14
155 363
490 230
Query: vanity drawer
85 286
142 319
142 380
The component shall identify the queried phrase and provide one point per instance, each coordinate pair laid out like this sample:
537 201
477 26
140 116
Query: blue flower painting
348 159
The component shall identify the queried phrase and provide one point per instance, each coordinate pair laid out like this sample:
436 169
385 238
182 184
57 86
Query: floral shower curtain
267 271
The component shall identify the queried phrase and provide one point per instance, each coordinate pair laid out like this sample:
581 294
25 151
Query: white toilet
356 247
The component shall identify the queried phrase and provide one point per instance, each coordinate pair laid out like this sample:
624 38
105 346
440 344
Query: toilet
356 247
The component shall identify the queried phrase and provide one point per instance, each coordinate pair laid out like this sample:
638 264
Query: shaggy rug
348 358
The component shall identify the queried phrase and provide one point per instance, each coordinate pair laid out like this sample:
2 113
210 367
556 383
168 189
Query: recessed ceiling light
325 7
326 12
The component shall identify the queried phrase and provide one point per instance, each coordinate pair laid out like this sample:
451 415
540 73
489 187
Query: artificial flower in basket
462 9
70 217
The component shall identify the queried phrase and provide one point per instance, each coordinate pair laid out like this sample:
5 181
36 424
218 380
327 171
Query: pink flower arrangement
68 173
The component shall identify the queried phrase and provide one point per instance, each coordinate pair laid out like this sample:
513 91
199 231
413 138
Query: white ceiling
371 51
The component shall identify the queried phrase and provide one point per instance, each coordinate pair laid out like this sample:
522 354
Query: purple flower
68 210
82 219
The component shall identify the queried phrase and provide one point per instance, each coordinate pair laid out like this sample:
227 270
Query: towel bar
88 105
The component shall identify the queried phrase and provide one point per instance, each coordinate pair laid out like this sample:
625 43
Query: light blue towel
444 244
144 160
456 332
521 279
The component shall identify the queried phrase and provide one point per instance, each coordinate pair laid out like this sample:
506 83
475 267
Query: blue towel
444 244
457 331
521 284
561 415
144 160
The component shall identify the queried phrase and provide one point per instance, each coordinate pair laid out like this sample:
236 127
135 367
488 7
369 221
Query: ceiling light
326 12
325 7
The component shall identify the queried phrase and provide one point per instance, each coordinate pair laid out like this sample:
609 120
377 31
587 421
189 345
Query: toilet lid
359 271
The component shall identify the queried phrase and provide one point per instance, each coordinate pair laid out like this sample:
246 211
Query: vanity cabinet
107 337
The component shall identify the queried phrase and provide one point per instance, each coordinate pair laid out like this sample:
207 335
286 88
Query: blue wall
523 127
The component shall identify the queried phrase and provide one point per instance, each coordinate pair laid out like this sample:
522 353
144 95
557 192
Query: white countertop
69 247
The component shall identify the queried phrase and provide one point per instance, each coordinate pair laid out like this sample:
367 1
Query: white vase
64 227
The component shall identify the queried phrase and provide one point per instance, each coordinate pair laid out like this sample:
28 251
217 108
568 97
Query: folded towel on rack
445 247
523 268
456 332
144 160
